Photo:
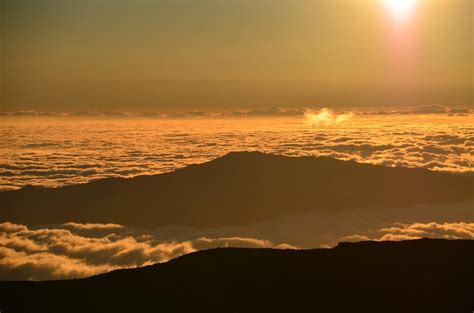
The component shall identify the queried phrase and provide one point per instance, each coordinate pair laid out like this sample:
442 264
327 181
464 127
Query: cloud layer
258 112
402 231
77 250
58 152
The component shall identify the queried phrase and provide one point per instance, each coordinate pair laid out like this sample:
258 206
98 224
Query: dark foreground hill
235 189
411 276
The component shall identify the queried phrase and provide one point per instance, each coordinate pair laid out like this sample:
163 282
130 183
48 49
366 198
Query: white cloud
63 252
59 253
460 230
327 117
68 151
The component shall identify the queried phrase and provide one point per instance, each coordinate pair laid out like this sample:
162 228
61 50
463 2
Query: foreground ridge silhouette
238 188
425 275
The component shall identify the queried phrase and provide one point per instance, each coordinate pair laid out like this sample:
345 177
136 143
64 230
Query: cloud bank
257 112
402 231
67 151
76 250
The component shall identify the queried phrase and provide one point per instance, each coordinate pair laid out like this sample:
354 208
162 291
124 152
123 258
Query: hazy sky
171 55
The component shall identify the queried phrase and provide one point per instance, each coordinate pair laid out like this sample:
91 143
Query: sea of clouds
55 152
75 250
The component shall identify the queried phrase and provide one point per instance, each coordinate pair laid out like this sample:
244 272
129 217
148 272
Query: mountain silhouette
425 275
238 188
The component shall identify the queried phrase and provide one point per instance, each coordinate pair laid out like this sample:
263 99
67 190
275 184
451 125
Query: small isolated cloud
327 117
78 250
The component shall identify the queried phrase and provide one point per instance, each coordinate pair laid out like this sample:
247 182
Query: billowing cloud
20 265
327 117
55 252
63 251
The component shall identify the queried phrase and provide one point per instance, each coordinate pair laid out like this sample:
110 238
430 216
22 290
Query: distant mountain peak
237 188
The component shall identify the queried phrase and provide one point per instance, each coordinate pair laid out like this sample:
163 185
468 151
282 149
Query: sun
401 10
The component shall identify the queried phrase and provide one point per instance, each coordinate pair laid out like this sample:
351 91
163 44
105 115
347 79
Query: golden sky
165 55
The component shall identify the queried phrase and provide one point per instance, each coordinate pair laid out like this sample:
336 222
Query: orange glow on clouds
327 117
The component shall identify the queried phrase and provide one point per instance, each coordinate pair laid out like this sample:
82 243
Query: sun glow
401 10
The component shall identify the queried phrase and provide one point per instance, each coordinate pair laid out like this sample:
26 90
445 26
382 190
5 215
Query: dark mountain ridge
237 188
425 275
